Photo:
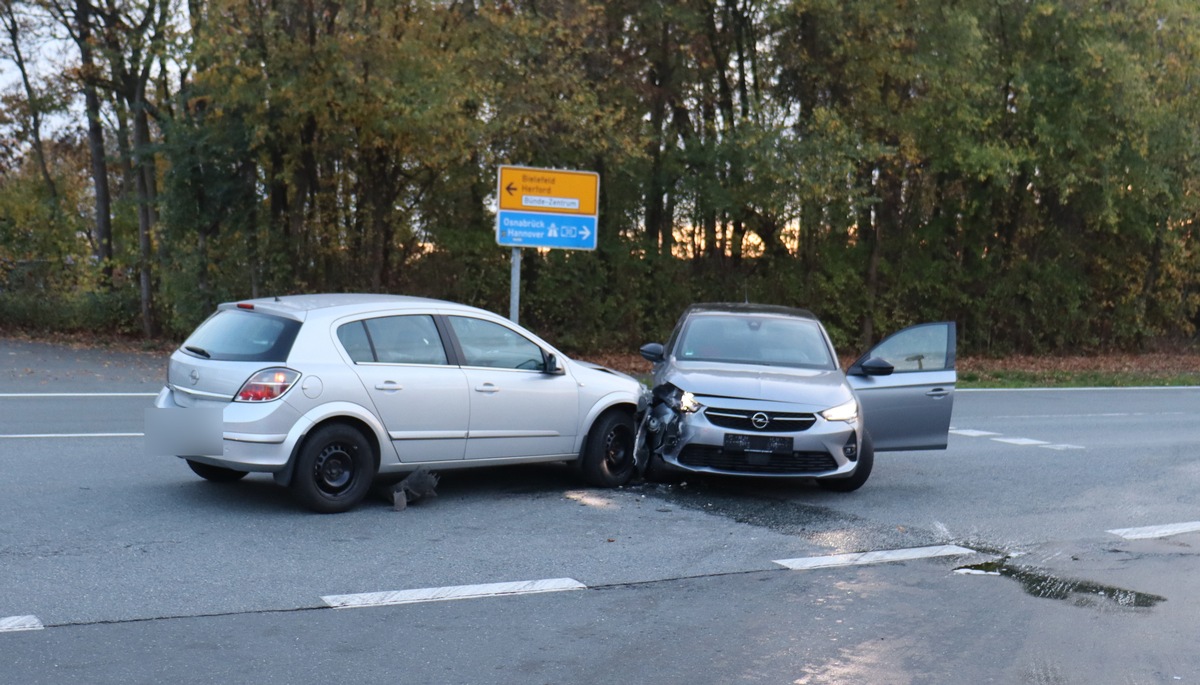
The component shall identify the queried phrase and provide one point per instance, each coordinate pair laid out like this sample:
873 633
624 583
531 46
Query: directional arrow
585 233
510 188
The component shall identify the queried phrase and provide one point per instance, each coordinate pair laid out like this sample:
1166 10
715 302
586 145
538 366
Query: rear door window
394 340
239 335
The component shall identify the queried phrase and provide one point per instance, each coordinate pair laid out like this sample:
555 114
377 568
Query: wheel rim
334 470
617 448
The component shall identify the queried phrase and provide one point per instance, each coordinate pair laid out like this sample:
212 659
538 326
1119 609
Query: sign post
544 208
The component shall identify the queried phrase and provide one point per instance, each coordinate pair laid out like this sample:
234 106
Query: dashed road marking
881 557
1156 531
443 594
12 624
1022 442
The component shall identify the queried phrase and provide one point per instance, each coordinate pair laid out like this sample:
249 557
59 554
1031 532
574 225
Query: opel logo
760 420
195 376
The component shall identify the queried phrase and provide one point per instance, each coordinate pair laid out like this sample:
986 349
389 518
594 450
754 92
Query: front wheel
216 474
608 455
334 469
866 461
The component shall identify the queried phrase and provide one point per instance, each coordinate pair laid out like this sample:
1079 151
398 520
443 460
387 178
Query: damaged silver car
328 392
756 390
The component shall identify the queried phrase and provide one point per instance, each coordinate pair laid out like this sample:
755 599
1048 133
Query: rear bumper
254 437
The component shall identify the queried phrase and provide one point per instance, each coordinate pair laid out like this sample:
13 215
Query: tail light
267 385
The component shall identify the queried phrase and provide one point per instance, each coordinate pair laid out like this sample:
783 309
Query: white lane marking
28 395
881 557
442 594
34 436
971 433
12 624
1156 531
1024 442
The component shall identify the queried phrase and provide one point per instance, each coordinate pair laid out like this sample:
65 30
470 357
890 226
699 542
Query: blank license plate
760 444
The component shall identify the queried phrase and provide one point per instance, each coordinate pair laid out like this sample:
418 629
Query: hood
815 389
603 369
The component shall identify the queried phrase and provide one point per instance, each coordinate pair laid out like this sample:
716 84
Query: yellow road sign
548 190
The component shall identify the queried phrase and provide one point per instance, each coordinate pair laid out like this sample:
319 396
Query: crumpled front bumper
690 441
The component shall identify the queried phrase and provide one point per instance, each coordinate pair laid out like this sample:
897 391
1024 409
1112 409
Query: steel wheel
334 469
608 454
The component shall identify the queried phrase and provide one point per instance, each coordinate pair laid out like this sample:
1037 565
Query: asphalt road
121 568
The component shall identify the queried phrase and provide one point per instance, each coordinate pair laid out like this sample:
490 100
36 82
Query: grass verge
1100 371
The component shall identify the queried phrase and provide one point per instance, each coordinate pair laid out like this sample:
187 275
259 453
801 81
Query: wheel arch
366 427
599 410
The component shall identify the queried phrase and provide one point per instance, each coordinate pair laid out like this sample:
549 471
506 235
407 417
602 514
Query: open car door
905 385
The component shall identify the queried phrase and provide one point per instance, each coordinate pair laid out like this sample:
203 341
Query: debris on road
419 484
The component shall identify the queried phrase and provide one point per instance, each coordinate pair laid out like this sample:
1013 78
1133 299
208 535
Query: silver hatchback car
745 389
328 391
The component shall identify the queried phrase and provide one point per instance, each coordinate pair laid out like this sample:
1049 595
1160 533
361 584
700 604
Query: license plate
183 432
758 444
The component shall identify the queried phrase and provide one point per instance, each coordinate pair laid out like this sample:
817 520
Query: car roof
299 306
747 308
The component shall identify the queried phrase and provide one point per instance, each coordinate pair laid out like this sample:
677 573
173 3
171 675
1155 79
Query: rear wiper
198 351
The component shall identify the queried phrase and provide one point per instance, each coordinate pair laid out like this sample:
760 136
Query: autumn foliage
1027 169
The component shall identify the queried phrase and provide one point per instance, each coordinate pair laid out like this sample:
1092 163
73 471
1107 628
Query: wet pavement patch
824 526
1081 593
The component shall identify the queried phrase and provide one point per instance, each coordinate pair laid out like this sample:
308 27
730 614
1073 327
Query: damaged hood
815 389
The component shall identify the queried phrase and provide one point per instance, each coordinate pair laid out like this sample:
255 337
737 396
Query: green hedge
78 312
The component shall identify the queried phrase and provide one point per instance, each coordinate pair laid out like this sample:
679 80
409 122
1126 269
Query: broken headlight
677 399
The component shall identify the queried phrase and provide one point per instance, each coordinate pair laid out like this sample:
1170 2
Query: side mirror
552 368
653 352
876 367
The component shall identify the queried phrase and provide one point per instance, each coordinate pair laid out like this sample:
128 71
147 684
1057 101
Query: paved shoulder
46 367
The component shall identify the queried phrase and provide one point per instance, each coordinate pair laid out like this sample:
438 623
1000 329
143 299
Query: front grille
742 462
776 422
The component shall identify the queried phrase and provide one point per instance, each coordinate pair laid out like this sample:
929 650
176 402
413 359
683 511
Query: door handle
487 387
389 386
937 393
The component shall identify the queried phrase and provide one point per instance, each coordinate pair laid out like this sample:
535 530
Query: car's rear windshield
753 339
243 336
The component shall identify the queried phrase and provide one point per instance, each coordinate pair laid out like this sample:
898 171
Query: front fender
631 402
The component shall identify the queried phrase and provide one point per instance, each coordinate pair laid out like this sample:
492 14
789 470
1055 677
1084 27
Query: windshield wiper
198 351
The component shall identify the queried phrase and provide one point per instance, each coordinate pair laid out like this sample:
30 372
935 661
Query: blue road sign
543 229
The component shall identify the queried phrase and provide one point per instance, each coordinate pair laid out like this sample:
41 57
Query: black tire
607 460
334 469
866 462
216 474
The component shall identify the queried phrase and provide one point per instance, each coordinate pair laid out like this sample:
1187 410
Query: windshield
770 340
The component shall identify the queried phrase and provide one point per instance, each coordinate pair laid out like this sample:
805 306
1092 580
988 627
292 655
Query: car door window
491 345
354 339
394 340
927 347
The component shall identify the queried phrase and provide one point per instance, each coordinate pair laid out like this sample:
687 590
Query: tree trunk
102 233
